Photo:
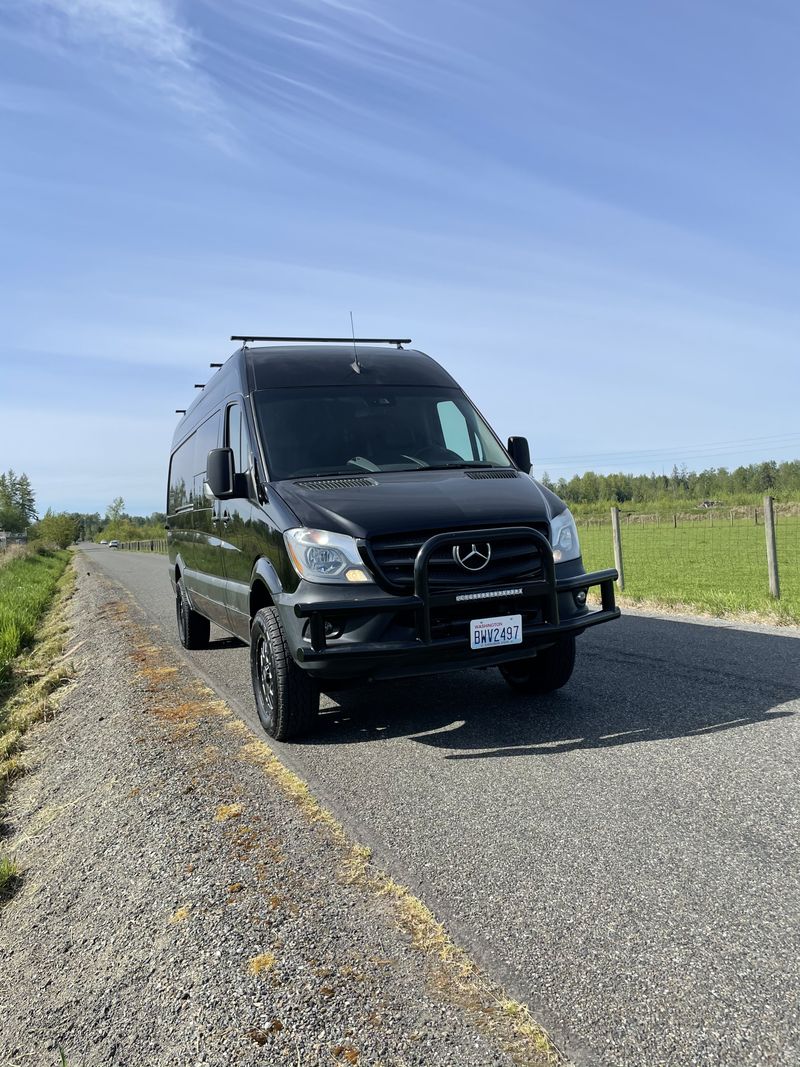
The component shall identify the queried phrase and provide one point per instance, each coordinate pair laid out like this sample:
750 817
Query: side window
455 431
205 438
181 477
236 438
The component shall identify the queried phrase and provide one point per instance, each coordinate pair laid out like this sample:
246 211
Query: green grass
9 876
707 564
34 591
27 585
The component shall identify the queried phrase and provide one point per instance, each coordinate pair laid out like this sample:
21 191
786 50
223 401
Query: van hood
405 501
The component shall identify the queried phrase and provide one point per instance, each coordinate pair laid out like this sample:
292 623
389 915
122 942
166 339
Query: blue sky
588 212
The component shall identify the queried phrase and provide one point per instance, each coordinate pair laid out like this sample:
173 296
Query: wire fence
9 541
715 560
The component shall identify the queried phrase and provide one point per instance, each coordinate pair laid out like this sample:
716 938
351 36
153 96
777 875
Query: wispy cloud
355 35
145 40
149 28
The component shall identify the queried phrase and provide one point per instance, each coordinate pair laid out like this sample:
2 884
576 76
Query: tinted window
237 438
361 428
181 477
455 431
205 438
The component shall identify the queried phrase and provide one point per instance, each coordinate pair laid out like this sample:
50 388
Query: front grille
513 559
322 484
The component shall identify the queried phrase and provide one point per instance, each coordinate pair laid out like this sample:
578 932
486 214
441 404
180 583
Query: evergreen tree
25 499
8 485
17 506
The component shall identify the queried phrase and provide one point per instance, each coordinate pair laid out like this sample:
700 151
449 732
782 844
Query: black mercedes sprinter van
344 508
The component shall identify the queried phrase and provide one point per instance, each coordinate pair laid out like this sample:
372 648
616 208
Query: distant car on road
104 542
113 544
346 510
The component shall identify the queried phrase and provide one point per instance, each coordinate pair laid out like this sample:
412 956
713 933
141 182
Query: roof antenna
355 364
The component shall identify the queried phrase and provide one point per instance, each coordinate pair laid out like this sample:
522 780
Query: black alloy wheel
287 699
266 680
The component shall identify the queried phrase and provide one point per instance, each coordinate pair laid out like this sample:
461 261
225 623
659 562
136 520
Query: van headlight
564 537
321 556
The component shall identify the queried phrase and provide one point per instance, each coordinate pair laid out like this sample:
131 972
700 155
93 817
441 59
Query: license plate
489 633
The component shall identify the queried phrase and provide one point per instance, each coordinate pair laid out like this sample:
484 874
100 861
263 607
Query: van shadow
636 681
219 644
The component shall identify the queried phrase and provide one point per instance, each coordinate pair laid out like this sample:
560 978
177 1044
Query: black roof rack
399 341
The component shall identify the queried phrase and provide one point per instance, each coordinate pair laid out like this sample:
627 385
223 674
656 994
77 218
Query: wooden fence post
772 548
617 547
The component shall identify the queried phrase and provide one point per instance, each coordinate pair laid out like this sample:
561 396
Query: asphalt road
623 854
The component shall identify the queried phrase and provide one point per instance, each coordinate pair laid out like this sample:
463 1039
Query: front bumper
362 651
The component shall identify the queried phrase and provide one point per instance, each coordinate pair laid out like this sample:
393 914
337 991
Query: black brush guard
544 591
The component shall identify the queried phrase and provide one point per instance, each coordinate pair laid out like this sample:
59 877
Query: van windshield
369 428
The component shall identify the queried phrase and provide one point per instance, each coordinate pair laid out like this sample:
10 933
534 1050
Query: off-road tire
194 630
545 672
287 699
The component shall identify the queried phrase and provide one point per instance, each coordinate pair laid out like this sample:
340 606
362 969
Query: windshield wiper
359 472
472 465
352 472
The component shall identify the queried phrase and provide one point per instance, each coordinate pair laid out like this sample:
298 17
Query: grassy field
708 564
33 594
27 585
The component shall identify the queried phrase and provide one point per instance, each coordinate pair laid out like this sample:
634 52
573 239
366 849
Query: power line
711 449
652 460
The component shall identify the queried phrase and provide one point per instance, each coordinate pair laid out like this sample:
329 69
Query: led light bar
489 594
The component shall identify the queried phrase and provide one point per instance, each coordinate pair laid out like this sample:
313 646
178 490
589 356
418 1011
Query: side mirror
520 453
219 472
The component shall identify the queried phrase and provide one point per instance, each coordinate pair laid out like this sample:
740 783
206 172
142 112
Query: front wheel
545 672
287 700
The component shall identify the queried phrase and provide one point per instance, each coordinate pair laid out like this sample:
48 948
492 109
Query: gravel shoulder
185 900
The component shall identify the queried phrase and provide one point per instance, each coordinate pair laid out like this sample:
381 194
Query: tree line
18 516
583 492
17 502
118 525
742 485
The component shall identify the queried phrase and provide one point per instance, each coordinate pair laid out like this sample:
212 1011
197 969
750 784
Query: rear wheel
548 670
287 700
194 630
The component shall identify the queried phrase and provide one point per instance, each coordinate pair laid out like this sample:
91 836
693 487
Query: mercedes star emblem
474 559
